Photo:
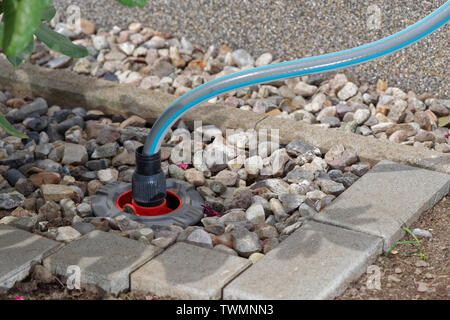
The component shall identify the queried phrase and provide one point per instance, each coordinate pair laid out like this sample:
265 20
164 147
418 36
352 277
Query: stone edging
65 88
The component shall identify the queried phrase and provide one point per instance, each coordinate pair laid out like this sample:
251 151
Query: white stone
304 89
361 116
242 58
127 48
349 90
264 59
255 214
253 165
316 104
67 234
100 42
108 175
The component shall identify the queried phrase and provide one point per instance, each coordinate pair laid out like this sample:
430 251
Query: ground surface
403 273
435 275
295 29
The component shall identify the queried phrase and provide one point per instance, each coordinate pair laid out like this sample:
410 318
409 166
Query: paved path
388 197
188 272
104 259
18 251
316 262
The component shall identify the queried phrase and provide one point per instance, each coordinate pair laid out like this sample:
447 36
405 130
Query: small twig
59 281
415 283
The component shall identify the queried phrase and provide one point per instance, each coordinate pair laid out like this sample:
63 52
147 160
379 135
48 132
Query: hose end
148 182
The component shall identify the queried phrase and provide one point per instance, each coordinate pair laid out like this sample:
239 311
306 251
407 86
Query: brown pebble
45 177
87 27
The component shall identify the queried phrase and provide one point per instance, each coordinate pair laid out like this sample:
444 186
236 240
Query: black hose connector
148 182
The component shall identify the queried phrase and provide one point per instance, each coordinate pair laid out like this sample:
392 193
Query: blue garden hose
290 69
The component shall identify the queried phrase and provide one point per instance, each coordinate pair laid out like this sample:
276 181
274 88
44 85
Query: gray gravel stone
213 225
176 172
200 238
38 106
11 200
256 214
298 147
291 202
74 154
84 209
245 242
108 150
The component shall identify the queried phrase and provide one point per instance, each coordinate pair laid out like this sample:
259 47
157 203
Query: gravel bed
293 29
252 201
141 56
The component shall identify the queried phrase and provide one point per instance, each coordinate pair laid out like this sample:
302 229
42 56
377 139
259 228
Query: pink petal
210 212
182 165
19 298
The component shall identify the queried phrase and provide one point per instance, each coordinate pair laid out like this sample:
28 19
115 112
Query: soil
29 290
404 276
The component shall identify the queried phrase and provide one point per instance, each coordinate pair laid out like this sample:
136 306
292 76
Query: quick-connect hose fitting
149 181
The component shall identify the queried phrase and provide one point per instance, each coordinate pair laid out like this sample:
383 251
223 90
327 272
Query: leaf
17 60
49 13
21 19
2 27
60 43
133 3
5 125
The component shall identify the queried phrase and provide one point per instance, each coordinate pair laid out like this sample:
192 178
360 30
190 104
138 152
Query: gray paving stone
104 259
386 198
18 250
317 261
185 271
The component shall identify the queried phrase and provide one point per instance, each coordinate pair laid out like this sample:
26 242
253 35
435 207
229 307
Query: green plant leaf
133 3
5 125
49 13
17 60
60 43
21 19
2 27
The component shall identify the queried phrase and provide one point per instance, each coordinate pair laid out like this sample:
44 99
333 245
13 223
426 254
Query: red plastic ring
126 198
